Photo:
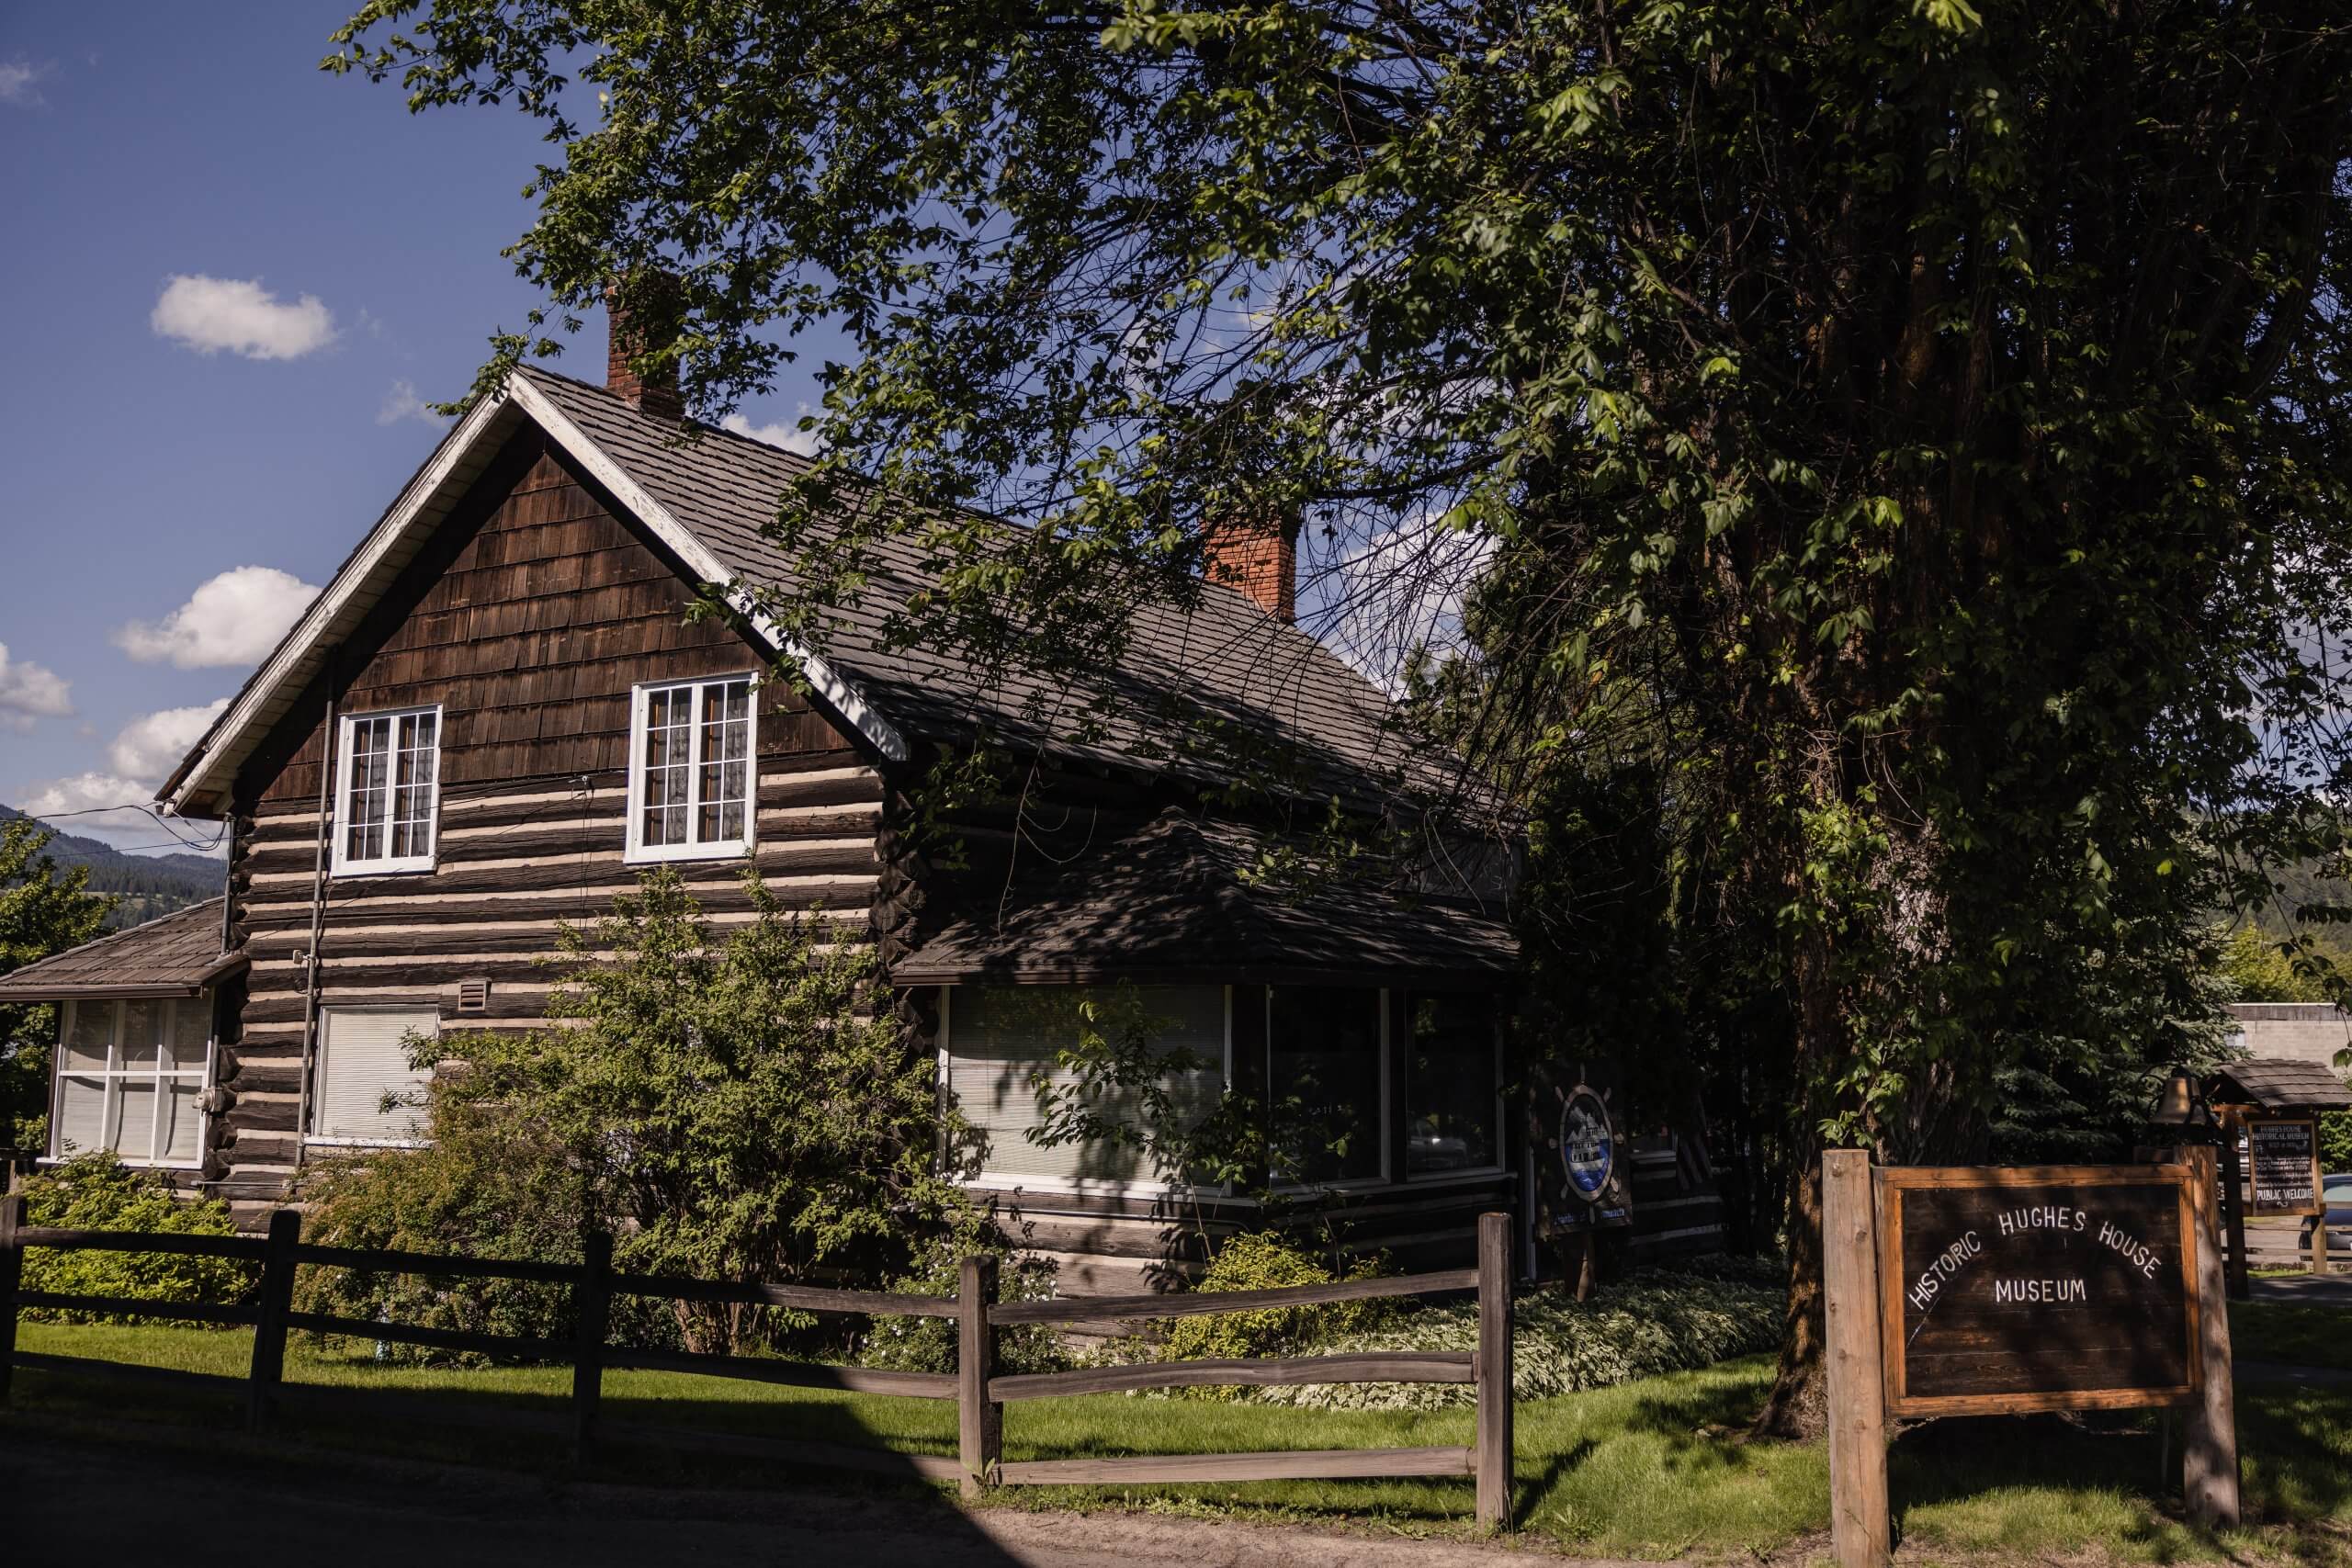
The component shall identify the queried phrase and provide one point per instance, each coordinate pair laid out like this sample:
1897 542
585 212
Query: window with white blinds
1002 1041
129 1074
367 1092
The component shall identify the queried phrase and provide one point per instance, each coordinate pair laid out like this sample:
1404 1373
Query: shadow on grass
1701 1425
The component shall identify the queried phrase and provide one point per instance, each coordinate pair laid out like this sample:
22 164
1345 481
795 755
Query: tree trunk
1798 1405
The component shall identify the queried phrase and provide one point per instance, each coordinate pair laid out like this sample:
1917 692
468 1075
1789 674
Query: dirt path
81 1499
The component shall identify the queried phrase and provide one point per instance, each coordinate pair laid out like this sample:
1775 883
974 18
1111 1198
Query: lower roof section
1174 902
172 956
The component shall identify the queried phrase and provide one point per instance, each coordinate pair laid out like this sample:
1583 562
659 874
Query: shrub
1654 1321
726 1103
1265 1260
95 1191
928 1344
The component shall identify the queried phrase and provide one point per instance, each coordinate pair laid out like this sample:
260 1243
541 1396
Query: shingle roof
172 956
1268 683
1168 901
2277 1083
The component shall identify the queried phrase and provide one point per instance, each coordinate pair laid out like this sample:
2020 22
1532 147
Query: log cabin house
500 710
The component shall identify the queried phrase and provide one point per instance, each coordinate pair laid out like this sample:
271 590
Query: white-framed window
691 780
388 791
368 1094
130 1077
999 1041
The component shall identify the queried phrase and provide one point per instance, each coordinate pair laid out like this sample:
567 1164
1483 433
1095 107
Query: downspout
327 749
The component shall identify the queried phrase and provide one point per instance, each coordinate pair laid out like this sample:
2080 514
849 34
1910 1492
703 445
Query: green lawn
1650 1469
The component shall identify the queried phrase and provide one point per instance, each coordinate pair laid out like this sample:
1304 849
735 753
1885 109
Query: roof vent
473 996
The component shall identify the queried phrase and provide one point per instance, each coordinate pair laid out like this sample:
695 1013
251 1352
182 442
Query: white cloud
1396 594
235 618
152 745
30 690
786 434
401 402
209 314
17 79
123 819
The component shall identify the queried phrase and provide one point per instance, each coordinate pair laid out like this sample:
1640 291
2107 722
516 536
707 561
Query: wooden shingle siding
528 621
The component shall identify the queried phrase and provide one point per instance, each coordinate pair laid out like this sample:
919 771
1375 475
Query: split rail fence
979 1392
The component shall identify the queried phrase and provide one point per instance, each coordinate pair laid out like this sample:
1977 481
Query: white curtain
1001 1038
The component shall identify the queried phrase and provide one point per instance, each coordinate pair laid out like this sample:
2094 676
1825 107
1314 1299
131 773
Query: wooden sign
2285 1156
1970 1291
2036 1288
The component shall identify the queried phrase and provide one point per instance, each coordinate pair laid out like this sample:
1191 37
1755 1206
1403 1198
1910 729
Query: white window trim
1068 1186
341 862
638 852
319 1068
112 1075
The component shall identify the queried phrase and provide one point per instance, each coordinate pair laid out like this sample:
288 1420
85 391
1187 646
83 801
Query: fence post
1494 1447
593 1308
2208 1446
276 1301
1854 1359
979 1422
12 1263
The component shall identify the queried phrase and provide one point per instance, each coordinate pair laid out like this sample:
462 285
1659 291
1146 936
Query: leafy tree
1921 428
728 1101
44 911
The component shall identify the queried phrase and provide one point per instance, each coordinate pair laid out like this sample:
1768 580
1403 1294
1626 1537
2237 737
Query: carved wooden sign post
1979 1291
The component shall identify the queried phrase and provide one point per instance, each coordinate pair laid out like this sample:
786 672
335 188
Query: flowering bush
1655 1321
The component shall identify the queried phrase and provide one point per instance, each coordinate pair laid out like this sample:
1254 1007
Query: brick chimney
657 298
1259 559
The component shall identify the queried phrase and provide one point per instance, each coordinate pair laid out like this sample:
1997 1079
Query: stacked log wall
529 621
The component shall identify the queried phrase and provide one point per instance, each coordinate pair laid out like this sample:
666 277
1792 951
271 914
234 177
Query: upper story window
389 765
690 779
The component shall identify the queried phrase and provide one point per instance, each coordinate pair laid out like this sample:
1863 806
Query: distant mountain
149 884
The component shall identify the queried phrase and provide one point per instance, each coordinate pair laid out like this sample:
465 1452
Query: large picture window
1325 1062
369 1092
1006 1044
129 1075
1452 1097
691 783
389 793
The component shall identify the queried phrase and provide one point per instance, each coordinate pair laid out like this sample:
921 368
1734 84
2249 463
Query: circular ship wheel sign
1587 1143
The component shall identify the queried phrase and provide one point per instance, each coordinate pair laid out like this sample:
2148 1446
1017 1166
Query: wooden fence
979 1392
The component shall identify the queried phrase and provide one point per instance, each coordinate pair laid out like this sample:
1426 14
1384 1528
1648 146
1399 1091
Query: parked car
2335 1193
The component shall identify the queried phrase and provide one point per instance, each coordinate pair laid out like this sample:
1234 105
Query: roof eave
202 783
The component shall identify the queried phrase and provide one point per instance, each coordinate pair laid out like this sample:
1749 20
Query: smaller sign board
1575 1153
2284 1154
2036 1288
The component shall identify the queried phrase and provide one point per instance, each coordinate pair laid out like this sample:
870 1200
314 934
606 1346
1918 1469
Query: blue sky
341 265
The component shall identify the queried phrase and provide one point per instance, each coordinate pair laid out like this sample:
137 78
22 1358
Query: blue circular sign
1587 1143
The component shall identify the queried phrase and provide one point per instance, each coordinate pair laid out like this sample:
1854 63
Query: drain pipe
328 747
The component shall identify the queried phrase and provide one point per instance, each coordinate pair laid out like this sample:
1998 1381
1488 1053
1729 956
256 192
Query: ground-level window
388 796
1325 1072
367 1091
1014 1051
129 1074
690 783
1453 1076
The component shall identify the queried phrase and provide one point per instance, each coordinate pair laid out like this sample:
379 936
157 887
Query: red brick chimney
1259 559
657 298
